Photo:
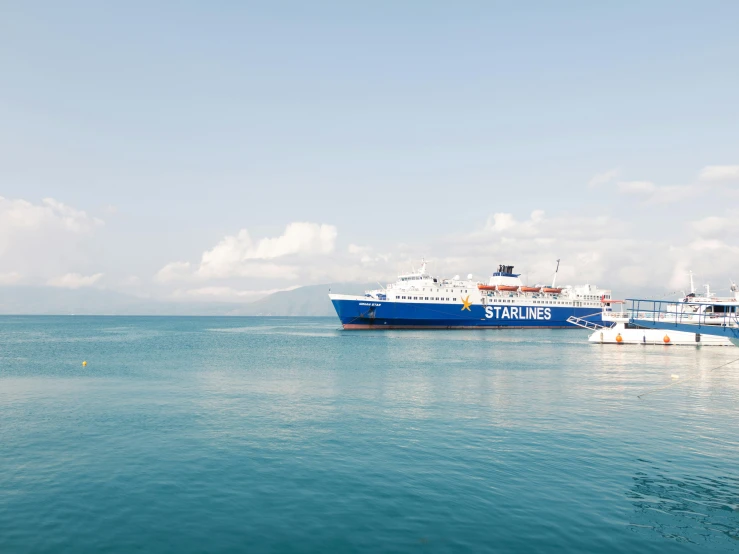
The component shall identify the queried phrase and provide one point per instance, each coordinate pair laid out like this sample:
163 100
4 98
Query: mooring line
681 381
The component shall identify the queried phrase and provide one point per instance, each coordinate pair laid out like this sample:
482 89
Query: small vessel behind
619 327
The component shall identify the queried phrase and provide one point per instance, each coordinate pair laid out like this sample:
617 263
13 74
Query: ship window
426 298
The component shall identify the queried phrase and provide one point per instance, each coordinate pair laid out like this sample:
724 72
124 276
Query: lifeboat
507 288
551 290
486 287
530 289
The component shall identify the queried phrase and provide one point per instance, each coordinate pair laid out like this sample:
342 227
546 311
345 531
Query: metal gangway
708 318
585 324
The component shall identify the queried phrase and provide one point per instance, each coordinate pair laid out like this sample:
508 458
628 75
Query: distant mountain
304 301
58 301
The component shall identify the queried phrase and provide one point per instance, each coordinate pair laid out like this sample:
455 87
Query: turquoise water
287 435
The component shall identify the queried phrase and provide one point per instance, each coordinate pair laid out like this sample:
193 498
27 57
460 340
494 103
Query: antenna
692 286
554 281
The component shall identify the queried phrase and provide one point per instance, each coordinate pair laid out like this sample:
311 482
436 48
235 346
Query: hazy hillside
304 301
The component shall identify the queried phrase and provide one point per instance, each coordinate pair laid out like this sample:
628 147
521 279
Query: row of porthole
425 298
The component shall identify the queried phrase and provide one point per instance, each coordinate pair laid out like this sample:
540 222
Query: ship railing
585 324
664 314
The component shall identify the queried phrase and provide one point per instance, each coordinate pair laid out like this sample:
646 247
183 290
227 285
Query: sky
219 151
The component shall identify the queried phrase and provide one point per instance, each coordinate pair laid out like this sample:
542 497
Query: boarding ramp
585 324
690 317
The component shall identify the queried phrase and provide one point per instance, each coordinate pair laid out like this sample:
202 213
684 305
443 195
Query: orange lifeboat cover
507 287
530 289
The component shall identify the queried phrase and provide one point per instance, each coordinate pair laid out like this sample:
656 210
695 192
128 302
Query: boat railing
682 313
585 324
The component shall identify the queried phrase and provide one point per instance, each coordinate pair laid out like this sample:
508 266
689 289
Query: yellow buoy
675 376
619 338
84 363
666 339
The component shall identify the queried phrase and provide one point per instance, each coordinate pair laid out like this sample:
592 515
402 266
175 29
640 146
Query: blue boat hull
374 314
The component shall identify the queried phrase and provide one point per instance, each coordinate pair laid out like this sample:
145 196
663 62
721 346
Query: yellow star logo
466 303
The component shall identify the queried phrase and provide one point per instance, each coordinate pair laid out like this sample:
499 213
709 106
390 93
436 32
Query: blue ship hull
378 314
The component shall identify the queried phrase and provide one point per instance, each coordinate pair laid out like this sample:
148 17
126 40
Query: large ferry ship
418 300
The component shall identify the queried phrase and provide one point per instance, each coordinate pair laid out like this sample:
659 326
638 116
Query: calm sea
287 435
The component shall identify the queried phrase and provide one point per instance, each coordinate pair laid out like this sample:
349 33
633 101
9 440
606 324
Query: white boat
618 327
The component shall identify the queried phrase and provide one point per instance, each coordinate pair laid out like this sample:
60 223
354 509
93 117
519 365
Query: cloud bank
638 234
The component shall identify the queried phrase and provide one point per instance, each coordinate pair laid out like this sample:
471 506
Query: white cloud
298 238
358 250
595 249
233 255
712 225
537 216
174 271
603 178
670 194
500 222
130 281
74 280
718 173
636 187
667 194
223 294
653 194
20 216
506 224
240 256
10 278
634 275
366 255
248 268
42 240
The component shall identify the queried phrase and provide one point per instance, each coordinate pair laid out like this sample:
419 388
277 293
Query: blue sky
404 126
